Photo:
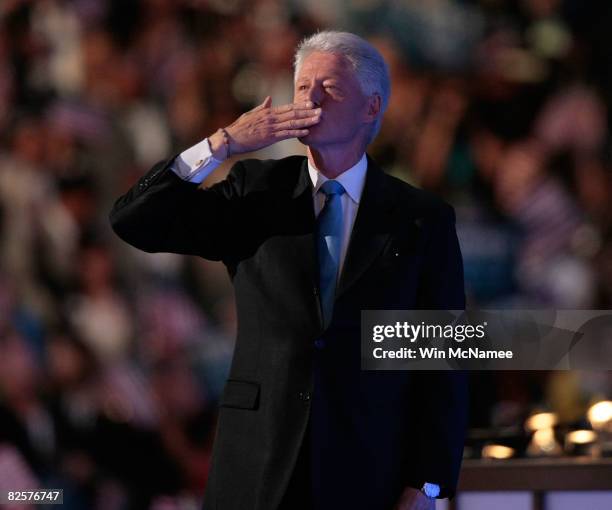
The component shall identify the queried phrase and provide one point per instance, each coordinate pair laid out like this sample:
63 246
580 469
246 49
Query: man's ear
374 107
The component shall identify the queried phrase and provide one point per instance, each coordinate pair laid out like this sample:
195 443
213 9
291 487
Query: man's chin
311 139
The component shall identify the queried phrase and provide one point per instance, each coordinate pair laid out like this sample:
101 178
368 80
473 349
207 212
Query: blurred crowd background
112 360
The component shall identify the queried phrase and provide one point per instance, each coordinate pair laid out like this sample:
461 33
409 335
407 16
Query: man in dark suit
308 244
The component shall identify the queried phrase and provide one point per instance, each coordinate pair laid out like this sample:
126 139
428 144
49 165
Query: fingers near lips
292 120
304 105
311 113
298 123
291 133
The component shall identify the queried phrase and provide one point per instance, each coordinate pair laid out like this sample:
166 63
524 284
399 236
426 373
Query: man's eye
302 87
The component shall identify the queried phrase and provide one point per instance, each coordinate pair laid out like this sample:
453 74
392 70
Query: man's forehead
329 63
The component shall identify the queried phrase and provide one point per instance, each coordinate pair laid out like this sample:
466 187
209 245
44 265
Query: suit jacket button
304 395
319 344
315 291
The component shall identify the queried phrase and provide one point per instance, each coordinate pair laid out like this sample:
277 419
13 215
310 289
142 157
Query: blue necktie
329 238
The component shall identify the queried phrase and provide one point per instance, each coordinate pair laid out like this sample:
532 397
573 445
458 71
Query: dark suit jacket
372 433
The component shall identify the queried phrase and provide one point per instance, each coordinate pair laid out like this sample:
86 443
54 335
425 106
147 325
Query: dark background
111 360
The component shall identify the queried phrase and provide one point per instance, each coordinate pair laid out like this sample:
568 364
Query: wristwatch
431 490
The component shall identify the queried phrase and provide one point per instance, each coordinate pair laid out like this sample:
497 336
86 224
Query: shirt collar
353 179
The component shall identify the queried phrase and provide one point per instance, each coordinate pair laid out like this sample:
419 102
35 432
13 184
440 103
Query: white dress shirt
197 163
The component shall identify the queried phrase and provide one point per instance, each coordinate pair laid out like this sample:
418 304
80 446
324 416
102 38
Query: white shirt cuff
196 163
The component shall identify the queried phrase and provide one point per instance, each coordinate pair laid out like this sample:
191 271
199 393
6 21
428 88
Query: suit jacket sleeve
164 213
441 403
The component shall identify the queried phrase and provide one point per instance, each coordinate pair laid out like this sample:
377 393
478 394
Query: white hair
368 64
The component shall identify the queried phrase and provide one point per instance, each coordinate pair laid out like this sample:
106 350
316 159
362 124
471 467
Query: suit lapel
303 221
303 242
371 228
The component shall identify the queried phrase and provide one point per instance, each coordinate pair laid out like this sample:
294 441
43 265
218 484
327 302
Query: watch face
431 490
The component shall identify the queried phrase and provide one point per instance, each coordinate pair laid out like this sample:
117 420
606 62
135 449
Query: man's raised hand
264 125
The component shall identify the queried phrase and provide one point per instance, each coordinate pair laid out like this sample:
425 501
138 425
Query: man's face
328 80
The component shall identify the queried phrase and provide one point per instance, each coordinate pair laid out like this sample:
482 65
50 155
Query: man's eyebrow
326 77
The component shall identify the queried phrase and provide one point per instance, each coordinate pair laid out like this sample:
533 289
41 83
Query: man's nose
315 96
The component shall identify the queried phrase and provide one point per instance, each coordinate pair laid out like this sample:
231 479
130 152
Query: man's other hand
264 125
414 499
